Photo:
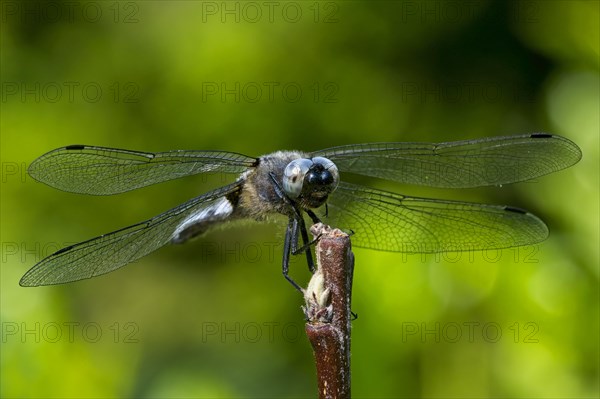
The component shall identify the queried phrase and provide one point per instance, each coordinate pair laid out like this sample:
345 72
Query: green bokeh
214 318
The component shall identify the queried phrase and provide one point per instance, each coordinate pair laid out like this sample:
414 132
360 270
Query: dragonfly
307 187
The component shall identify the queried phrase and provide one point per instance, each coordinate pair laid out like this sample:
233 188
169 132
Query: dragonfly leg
314 217
300 225
278 189
288 244
296 223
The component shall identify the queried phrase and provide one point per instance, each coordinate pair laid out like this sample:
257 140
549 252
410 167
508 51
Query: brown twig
328 297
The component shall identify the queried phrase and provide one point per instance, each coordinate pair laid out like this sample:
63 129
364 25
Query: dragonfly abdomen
202 220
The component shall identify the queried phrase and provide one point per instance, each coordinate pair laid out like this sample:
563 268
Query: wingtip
24 283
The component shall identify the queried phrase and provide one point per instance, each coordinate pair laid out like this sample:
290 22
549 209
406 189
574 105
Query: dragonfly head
310 181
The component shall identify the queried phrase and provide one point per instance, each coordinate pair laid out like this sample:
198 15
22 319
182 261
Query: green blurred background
214 318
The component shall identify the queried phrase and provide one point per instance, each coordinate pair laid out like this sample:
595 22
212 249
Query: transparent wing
460 164
111 251
103 171
390 222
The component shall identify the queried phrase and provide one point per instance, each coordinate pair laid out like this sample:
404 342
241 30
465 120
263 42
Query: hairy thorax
259 197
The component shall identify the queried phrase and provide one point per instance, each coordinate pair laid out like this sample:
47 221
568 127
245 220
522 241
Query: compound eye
331 168
293 176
